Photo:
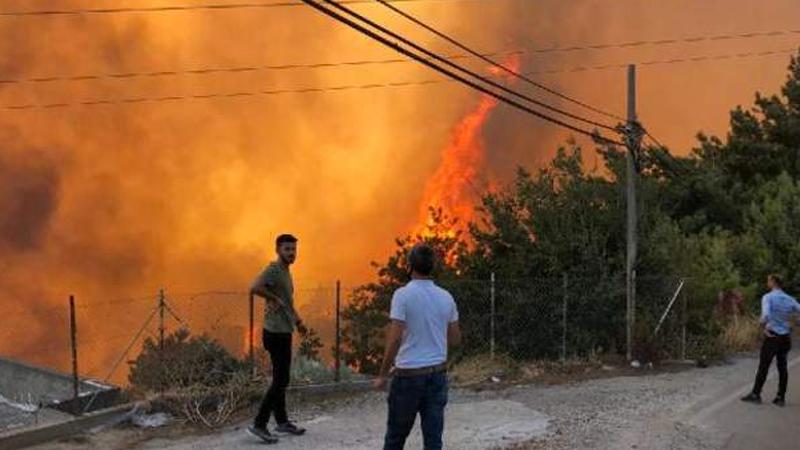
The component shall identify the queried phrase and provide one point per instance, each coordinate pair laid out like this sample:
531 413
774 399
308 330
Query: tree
184 361
310 344
722 217
367 312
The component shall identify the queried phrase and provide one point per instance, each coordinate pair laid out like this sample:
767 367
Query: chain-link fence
525 319
566 317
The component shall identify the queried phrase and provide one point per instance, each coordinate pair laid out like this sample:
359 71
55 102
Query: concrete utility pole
633 140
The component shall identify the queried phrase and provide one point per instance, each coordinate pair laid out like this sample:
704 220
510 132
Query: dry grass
480 369
740 334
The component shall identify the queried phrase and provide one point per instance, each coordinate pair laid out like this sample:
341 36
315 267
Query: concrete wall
21 382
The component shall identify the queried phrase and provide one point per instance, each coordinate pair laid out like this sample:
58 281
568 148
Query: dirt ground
595 407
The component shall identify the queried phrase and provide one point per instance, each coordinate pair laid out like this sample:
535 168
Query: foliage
183 361
310 343
722 217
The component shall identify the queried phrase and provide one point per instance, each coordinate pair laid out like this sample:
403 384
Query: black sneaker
263 434
752 398
779 401
290 428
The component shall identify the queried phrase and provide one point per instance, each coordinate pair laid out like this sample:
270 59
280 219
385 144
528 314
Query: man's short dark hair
285 239
422 259
777 279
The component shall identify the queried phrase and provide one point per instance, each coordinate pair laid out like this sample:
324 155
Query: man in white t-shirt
424 322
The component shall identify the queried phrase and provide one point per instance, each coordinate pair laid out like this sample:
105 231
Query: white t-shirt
427 311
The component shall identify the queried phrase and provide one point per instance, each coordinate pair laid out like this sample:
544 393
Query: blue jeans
424 394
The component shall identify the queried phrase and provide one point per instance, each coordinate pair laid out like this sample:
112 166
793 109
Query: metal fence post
492 318
251 349
161 319
564 320
338 349
684 319
73 331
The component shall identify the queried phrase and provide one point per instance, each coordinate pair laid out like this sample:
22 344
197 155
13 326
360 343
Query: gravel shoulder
643 411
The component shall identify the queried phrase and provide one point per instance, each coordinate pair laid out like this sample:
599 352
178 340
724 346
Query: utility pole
633 139
161 308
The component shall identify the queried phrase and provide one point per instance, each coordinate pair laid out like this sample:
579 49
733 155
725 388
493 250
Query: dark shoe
263 434
290 428
752 398
779 401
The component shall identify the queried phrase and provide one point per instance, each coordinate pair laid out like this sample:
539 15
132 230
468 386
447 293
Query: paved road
761 427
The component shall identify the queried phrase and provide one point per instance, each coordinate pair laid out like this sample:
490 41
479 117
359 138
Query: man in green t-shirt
275 286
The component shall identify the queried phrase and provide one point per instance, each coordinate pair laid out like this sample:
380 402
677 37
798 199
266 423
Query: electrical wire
218 70
475 85
179 8
341 88
494 63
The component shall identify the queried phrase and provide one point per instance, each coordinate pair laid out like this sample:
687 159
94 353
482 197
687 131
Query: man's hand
379 384
768 333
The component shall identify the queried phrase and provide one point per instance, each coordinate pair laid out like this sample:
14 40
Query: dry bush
211 406
193 378
740 334
183 361
481 368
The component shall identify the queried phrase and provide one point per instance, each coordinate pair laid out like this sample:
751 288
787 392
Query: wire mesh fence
525 319
567 317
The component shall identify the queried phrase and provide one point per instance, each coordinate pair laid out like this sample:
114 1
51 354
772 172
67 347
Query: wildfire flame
455 186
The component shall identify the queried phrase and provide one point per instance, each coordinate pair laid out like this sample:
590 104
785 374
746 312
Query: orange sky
109 201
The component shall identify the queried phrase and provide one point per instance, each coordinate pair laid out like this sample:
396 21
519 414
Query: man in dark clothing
777 310
275 285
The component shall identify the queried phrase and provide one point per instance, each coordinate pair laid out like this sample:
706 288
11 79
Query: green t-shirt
277 279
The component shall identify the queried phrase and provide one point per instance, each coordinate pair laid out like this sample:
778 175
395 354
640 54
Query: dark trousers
773 347
408 396
279 346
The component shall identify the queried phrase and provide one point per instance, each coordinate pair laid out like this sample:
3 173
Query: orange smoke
457 184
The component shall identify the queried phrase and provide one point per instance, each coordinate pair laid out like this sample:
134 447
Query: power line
494 63
673 41
218 70
179 8
689 59
246 69
448 72
281 4
341 88
437 57
468 72
653 138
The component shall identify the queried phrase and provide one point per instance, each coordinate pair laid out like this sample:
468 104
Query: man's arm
273 301
261 288
765 316
764 310
394 337
453 330
453 334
